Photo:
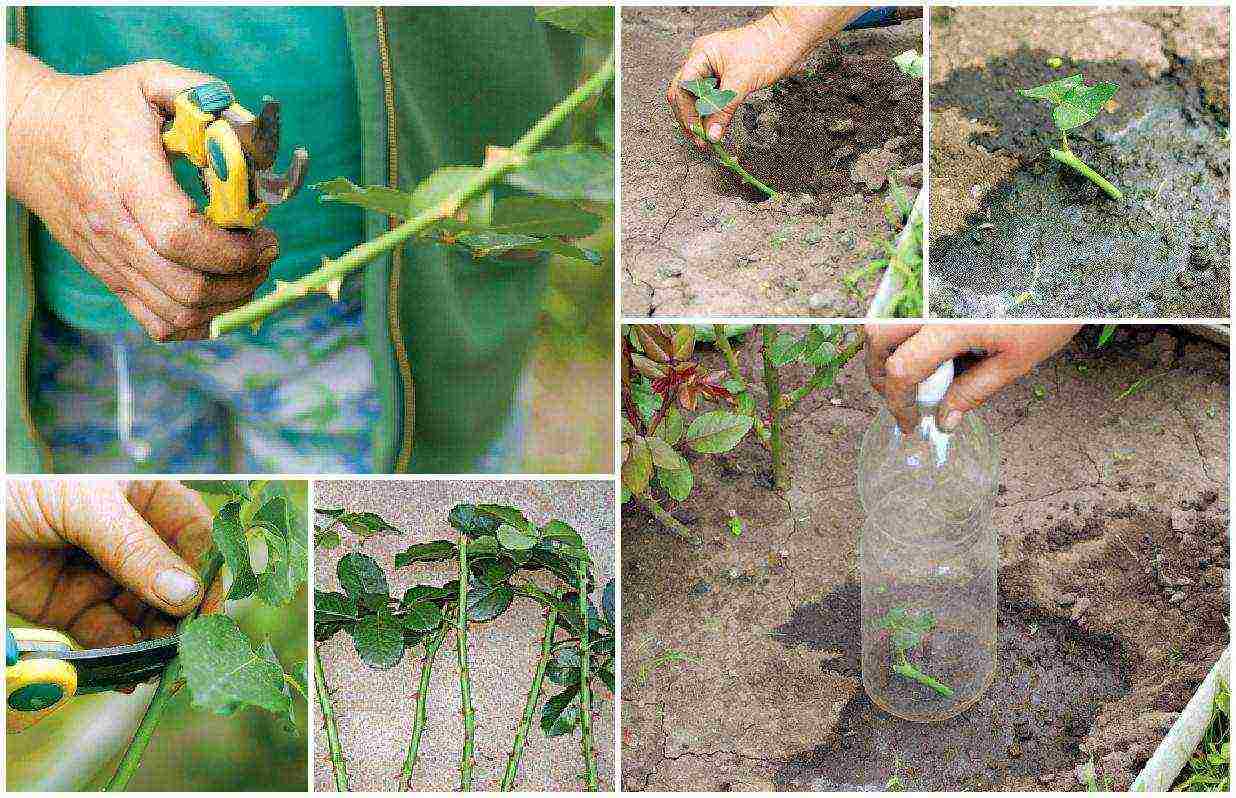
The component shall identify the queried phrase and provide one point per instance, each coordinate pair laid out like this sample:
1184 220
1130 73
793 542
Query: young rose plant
1075 104
661 381
495 549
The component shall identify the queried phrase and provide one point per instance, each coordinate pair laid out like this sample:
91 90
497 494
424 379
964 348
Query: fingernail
714 132
268 255
175 586
952 420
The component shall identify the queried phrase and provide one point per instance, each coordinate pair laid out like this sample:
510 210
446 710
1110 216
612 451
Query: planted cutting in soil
742 658
697 240
1044 241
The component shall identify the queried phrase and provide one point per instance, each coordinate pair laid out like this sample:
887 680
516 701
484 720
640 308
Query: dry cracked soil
741 657
374 707
696 240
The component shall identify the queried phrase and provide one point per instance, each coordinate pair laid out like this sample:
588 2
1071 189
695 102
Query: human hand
108 563
750 57
900 356
86 156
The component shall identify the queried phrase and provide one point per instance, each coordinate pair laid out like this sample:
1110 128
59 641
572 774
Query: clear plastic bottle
927 560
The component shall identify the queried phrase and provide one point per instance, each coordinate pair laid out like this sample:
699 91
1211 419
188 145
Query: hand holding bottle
900 356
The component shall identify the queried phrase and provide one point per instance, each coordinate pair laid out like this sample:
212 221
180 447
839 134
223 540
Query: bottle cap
932 389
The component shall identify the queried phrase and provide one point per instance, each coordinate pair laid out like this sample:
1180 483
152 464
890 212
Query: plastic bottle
927 560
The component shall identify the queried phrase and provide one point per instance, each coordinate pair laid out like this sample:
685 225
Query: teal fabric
298 54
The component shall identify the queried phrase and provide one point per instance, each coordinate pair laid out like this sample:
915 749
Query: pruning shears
234 152
44 669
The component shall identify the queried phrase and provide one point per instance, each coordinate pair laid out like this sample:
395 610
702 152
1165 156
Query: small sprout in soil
1055 62
1040 392
661 660
735 526
905 258
1075 105
894 784
708 101
907 631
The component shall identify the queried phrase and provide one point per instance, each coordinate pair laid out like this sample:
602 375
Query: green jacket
449 336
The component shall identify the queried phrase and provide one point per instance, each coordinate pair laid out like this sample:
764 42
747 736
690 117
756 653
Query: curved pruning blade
274 188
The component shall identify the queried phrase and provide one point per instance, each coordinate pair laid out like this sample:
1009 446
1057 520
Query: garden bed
741 657
1013 232
698 241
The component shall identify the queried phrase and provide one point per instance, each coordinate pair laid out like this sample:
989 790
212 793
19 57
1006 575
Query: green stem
432 645
1069 159
534 695
668 521
132 757
332 729
731 161
772 384
823 375
731 363
465 683
910 672
327 278
586 743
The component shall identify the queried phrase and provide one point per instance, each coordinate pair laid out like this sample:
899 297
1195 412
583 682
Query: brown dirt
1111 518
1013 232
374 707
697 241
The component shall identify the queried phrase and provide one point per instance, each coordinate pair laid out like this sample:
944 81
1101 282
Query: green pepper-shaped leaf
219 487
539 216
637 470
486 602
677 482
332 612
517 539
594 22
379 199
663 455
422 617
467 518
419 593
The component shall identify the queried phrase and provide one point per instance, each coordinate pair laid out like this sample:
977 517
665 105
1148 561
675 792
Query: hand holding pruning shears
108 564
86 155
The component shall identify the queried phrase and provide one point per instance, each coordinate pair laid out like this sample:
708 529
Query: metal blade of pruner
259 137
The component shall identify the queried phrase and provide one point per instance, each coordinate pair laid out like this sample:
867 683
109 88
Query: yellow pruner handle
35 688
201 132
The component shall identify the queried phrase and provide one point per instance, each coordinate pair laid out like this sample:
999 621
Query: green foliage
905 631
364 524
456 206
1106 334
709 99
502 545
222 668
904 258
225 673
1210 767
1074 104
661 379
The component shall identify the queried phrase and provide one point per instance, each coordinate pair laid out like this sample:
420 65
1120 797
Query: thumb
106 526
971 389
719 122
161 82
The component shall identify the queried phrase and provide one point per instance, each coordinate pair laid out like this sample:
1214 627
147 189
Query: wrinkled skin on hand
86 157
749 58
108 563
900 356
